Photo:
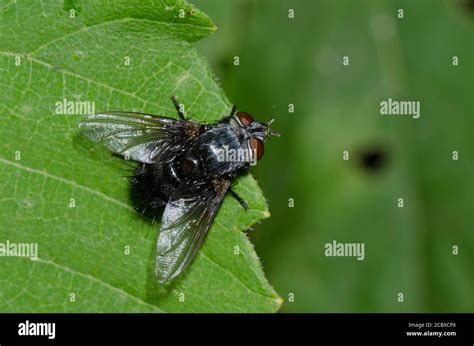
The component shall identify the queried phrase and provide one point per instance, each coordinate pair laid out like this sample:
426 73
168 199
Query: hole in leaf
373 159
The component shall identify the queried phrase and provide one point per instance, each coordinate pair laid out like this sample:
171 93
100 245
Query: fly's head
251 133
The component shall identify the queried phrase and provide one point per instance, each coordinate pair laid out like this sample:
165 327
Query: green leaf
70 197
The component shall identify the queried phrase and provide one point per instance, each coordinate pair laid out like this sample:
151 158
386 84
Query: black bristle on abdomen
147 194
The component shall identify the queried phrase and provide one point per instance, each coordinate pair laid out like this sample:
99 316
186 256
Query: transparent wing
140 137
184 225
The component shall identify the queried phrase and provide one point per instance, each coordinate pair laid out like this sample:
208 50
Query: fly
185 168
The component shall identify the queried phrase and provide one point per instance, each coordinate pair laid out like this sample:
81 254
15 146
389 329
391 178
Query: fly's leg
178 107
234 107
243 203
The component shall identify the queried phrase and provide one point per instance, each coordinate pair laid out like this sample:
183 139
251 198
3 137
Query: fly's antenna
271 116
268 131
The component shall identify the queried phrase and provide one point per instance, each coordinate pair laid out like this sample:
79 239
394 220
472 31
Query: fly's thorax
221 151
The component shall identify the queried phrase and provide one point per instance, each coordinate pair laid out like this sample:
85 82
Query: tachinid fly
185 168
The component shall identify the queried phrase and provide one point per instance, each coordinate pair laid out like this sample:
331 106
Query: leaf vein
236 278
67 181
94 279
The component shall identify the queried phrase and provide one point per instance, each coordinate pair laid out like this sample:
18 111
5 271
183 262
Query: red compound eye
245 118
256 145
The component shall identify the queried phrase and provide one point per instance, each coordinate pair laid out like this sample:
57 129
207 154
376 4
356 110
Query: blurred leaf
299 61
52 51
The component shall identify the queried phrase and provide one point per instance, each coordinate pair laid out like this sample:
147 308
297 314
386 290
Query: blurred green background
299 61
